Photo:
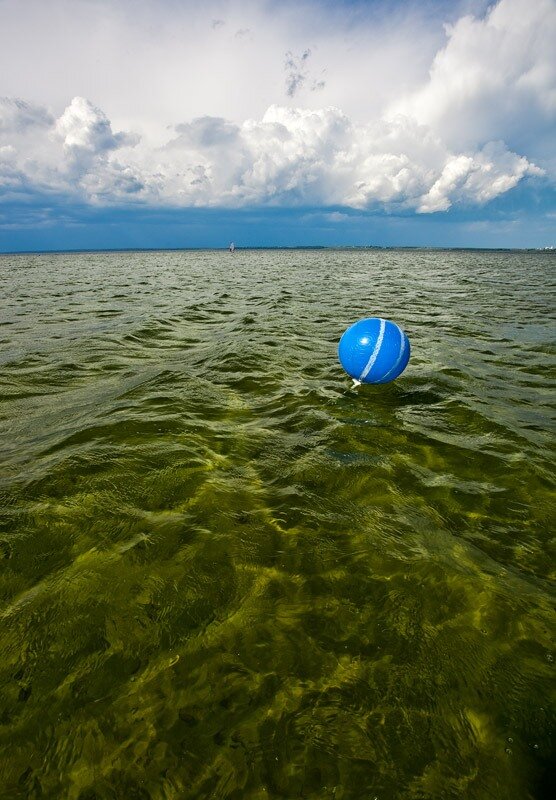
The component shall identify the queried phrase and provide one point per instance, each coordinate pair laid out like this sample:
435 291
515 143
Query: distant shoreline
282 247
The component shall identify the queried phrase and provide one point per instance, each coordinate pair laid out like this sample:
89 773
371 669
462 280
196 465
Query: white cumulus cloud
495 77
289 157
86 129
73 154
478 178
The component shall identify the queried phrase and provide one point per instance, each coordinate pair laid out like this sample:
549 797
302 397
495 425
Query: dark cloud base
524 217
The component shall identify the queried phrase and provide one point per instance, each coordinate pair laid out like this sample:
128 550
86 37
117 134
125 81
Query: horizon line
224 248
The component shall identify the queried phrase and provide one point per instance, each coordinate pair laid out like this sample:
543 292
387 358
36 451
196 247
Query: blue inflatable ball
374 351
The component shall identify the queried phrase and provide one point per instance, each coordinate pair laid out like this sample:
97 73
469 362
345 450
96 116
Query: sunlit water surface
227 574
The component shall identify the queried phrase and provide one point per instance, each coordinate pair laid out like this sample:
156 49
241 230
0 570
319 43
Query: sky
173 123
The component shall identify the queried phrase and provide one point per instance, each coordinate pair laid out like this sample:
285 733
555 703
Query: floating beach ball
374 351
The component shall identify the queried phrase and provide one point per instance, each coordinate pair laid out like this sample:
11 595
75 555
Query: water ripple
228 574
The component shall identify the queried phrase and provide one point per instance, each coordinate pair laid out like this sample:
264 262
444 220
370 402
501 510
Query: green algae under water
224 573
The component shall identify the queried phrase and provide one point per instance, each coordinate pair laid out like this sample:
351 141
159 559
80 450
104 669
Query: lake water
225 573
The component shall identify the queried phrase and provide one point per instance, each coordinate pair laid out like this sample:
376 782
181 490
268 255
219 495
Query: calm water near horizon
224 573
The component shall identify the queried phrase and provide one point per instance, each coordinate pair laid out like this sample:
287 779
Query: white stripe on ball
376 351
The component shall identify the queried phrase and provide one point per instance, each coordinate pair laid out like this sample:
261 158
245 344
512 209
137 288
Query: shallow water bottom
227 574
